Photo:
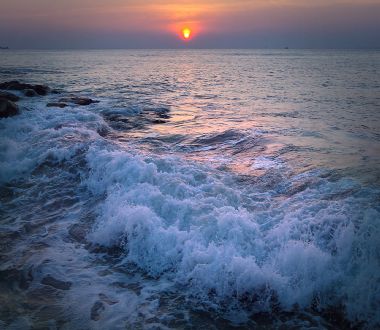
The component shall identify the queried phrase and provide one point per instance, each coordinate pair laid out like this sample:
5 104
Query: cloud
213 18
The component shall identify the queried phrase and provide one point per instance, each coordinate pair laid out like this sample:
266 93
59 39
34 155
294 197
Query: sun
186 33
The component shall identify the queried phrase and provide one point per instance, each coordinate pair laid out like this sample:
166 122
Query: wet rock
58 284
298 187
9 275
156 115
42 296
103 131
6 192
9 96
78 100
41 89
104 272
114 251
158 121
56 104
96 310
147 116
8 108
107 299
25 279
16 85
78 233
30 92
22 278
135 287
162 112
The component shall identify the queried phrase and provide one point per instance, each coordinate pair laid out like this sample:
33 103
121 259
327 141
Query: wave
220 240
275 242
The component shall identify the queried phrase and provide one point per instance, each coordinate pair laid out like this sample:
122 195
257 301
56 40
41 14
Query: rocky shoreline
8 98
11 92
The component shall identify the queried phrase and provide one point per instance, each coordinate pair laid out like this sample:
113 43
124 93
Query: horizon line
191 48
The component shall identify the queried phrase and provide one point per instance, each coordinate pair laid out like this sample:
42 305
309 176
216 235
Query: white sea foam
265 163
43 133
180 222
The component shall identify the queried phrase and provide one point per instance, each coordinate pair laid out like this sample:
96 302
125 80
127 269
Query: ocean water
208 189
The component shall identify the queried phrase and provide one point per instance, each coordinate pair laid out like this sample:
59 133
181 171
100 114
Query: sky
97 24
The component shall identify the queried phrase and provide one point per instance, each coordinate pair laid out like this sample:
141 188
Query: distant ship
4 47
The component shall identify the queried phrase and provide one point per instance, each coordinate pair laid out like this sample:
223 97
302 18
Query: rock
14 275
135 287
158 121
56 104
78 100
8 108
103 131
115 251
78 233
107 299
26 279
16 85
41 89
41 296
58 284
9 96
30 92
96 310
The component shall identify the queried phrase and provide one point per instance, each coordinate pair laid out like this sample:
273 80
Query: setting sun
186 32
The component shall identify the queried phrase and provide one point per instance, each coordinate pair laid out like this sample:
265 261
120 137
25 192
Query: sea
207 189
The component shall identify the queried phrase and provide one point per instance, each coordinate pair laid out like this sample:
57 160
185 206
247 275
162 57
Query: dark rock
8 108
21 277
9 96
56 104
26 279
96 310
103 131
107 299
58 284
114 251
78 100
135 287
16 85
41 296
158 121
10 275
30 92
41 89
78 233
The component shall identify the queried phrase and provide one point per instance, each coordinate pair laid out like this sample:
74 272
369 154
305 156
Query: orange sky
206 18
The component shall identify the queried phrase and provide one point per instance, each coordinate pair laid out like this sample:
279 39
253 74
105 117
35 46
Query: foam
181 222
265 163
41 133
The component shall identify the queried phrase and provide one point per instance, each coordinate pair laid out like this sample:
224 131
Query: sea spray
181 222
